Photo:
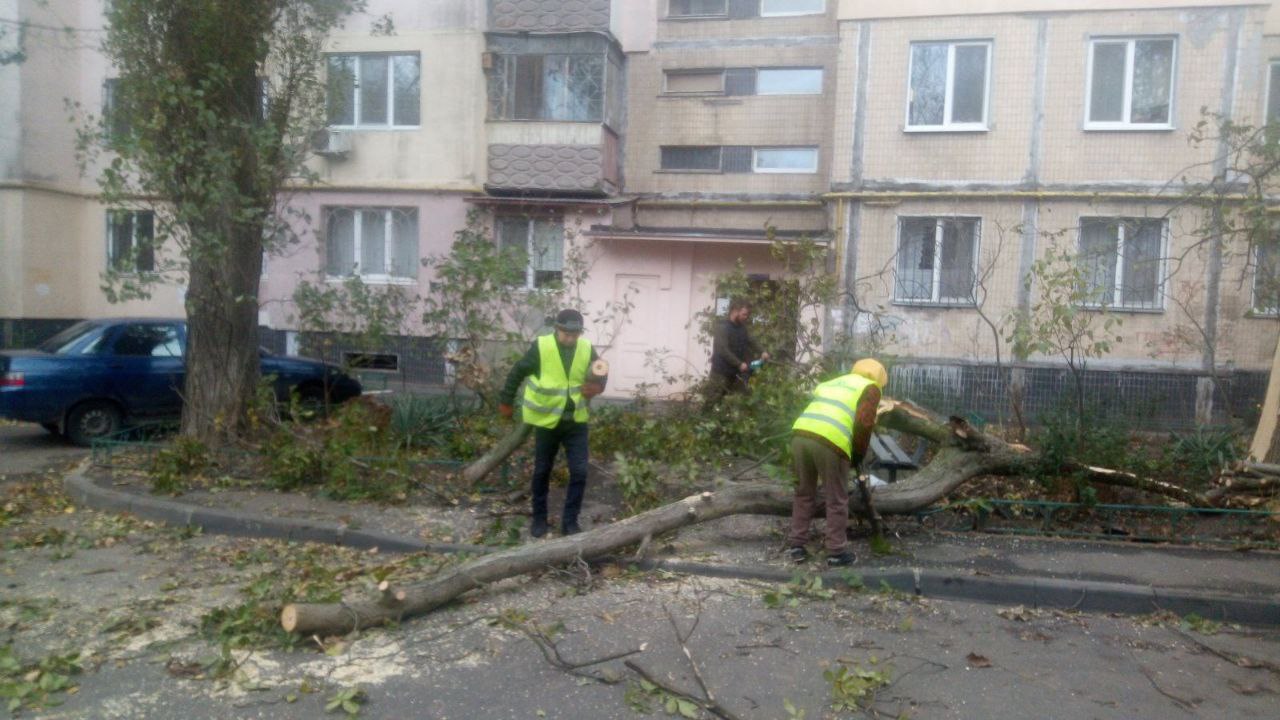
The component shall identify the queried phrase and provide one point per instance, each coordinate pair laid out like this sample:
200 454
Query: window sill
694 18
1124 310
688 172
1124 128
529 120
758 171
375 128
943 129
373 280
1262 314
934 304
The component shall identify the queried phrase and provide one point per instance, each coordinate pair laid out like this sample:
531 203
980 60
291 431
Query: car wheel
52 427
311 399
92 420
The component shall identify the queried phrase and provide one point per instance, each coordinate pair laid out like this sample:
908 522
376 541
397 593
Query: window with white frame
937 259
948 86
785 160
1123 260
374 90
1130 83
789 81
1266 279
379 244
738 159
745 81
130 241
538 242
779 8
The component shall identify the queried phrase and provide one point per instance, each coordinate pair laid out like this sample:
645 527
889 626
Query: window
373 91
539 242
563 87
379 244
786 160
1130 84
745 81
1122 261
948 86
695 158
115 121
738 159
776 8
697 8
789 81
148 341
130 241
936 260
1266 280
695 82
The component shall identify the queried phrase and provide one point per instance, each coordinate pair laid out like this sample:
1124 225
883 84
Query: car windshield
62 343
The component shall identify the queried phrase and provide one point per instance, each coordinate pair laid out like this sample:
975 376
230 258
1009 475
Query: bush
349 457
1199 456
419 421
174 465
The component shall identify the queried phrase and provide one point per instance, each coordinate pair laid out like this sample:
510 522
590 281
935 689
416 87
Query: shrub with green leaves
172 467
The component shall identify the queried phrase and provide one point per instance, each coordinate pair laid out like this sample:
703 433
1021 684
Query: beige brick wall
1070 154
1164 338
1074 155
655 120
1000 154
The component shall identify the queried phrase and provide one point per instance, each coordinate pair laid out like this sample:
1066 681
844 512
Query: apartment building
937 150
969 143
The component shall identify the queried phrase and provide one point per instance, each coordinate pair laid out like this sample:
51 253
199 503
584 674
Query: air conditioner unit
331 143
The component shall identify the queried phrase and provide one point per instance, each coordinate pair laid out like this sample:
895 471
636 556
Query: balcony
552 158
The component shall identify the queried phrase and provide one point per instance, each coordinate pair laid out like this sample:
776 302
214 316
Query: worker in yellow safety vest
555 404
829 437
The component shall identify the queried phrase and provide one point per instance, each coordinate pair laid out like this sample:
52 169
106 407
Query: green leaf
687 709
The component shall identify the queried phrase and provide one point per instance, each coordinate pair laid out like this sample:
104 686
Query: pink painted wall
440 215
671 282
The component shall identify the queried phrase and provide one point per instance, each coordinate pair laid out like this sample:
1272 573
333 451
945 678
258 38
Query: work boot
569 527
844 558
796 554
538 528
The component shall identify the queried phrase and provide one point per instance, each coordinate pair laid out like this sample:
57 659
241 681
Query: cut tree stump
964 453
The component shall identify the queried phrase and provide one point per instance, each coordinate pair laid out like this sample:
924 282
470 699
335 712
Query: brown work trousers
815 460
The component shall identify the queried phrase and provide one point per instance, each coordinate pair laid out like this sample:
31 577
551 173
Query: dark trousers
547 442
816 462
720 385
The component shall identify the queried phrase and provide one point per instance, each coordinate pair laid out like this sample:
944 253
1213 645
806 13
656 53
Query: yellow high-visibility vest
830 415
547 395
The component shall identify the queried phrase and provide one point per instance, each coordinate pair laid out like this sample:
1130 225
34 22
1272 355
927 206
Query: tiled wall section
656 120
548 15
555 167
1166 337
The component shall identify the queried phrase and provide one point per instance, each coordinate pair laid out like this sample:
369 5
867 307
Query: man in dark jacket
732 350
555 404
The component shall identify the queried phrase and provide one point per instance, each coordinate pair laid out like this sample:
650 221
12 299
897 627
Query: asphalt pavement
759 641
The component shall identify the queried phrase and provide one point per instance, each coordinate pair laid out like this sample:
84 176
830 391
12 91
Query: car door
147 368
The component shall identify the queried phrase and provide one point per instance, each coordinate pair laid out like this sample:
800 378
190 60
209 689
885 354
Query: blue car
97 376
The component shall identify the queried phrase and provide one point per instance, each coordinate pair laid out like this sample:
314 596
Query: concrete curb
1035 592
226 522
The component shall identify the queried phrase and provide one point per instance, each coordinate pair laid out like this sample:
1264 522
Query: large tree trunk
222 344
964 453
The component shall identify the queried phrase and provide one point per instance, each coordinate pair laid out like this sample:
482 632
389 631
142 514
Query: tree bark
964 453
485 464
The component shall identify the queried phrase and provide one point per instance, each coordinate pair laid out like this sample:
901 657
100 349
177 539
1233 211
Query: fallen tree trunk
485 464
963 454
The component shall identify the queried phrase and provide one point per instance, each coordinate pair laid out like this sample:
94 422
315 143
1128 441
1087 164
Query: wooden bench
887 454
